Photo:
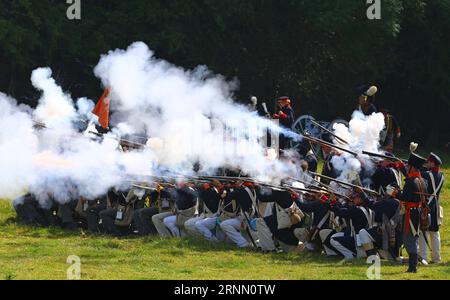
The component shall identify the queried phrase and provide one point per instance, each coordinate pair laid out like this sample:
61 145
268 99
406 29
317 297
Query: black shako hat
416 161
367 90
436 159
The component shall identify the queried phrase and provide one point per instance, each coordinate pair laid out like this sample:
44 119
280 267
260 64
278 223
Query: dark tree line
316 51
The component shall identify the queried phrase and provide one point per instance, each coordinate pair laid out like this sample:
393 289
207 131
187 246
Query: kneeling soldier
209 199
185 208
279 226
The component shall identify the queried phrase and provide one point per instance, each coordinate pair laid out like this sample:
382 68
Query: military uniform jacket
186 198
435 181
229 205
357 217
290 118
320 212
284 200
410 197
209 200
383 177
386 206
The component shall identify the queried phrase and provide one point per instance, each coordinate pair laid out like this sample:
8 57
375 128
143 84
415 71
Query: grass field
29 253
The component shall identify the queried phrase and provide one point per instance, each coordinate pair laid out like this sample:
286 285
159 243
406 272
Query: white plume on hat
413 146
371 91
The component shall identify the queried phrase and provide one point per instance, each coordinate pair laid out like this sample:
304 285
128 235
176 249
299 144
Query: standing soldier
366 95
435 180
411 200
286 116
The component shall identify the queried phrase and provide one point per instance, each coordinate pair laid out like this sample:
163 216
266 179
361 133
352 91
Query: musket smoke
363 133
185 114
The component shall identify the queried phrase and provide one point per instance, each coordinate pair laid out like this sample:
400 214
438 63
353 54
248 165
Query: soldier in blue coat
411 199
435 180
357 216
385 234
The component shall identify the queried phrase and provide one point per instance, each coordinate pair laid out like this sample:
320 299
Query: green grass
41 253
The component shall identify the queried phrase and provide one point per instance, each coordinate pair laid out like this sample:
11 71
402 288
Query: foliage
316 51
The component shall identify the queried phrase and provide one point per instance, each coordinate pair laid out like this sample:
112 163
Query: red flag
102 109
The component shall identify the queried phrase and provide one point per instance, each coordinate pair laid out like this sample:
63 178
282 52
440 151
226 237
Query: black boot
413 261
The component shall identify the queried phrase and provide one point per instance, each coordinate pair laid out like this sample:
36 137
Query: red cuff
398 130
324 198
283 116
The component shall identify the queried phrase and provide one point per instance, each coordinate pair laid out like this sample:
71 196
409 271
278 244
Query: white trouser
232 229
301 234
159 224
324 233
434 239
206 227
366 238
191 228
343 250
171 223
264 235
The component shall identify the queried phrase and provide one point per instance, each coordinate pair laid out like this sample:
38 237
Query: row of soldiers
316 217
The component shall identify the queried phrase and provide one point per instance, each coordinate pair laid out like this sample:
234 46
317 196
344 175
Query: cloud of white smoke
189 116
363 133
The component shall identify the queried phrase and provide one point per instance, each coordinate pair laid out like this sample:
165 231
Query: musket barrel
329 131
346 183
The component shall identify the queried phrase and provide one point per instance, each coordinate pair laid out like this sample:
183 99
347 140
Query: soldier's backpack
425 209
82 208
125 212
288 216
184 215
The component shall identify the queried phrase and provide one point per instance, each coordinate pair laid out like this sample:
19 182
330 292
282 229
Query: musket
323 143
39 124
248 228
347 184
121 140
143 187
318 188
384 156
329 131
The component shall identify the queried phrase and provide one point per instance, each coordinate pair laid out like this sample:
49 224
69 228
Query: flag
102 109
